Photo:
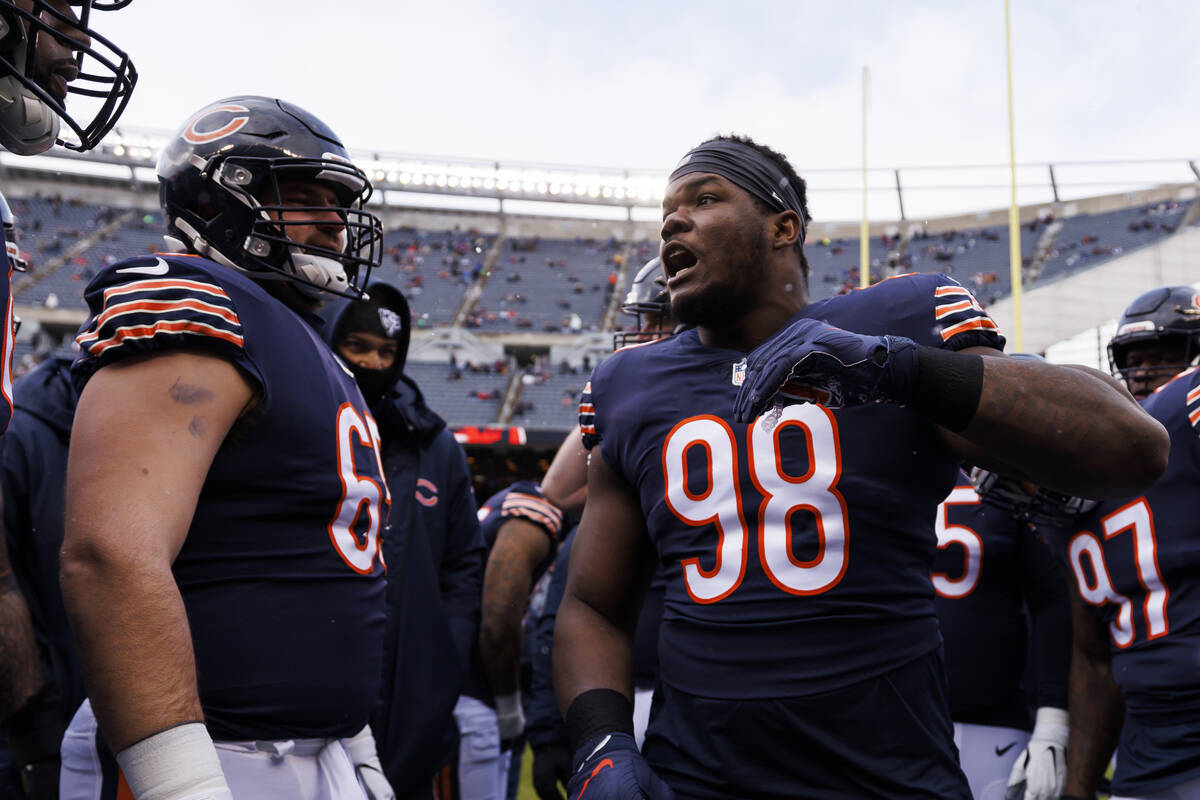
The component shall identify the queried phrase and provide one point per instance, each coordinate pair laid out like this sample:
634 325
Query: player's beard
718 306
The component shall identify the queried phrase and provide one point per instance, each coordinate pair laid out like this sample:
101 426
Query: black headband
748 168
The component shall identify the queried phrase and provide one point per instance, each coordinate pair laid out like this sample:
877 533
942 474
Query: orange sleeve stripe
170 283
943 291
520 503
1194 416
971 324
1193 395
587 428
163 326
136 306
587 408
951 308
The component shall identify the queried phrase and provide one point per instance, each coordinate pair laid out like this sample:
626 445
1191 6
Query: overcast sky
635 84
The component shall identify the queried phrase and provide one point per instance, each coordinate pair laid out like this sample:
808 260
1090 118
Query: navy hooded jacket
34 480
435 558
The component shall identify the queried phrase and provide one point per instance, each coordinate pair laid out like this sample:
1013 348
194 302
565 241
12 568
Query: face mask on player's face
1150 364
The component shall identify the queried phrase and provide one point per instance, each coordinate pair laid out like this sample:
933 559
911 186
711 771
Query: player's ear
785 229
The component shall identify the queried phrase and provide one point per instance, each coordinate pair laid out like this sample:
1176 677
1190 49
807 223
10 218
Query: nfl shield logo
739 373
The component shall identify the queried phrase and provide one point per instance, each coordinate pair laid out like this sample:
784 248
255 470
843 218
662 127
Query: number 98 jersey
281 573
796 553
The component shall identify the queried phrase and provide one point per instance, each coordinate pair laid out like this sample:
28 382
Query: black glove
836 367
551 767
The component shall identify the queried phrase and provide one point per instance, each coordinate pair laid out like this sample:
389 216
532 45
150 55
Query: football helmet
99 75
1025 502
9 223
1169 315
647 295
219 183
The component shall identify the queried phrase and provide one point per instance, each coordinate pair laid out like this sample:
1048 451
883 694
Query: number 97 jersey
281 572
796 550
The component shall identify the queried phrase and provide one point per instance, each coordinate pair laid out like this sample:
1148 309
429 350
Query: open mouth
677 259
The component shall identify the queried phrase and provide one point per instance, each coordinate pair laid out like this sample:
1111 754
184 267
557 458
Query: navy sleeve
1045 589
460 575
543 723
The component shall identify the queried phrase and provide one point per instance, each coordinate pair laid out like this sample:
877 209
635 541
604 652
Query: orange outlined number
359 493
1138 518
947 534
720 503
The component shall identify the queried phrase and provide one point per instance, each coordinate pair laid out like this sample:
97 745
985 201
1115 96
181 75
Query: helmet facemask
30 115
263 245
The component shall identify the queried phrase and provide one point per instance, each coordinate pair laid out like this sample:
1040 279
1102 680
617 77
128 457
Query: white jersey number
360 494
1135 517
720 502
947 534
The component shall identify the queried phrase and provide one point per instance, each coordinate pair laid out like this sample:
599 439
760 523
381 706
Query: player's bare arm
611 565
1096 706
145 433
520 546
1061 427
20 668
565 484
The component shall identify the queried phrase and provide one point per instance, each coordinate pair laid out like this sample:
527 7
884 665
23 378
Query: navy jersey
797 554
522 500
281 573
7 339
1136 563
990 572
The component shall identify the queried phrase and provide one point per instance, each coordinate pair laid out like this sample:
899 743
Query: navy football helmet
647 295
1168 316
33 90
219 182
9 223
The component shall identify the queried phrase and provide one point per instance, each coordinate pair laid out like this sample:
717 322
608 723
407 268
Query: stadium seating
433 269
1088 240
549 399
462 396
547 285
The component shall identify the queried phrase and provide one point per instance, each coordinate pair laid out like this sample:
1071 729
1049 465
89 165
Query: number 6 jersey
796 549
281 573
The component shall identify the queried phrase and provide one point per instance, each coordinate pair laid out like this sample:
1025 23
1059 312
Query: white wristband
509 716
1051 724
179 763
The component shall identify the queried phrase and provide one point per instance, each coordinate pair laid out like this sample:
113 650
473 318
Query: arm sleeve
959 320
543 723
132 313
1045 591
460 576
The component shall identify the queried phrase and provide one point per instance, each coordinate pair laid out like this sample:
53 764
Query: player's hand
1040 771
610 767
363 753
839 367
551 767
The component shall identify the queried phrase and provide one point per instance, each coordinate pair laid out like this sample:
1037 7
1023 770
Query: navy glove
832 366
610 767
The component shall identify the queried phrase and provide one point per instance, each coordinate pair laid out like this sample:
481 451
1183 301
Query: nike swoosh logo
605 763
160 268
1002 750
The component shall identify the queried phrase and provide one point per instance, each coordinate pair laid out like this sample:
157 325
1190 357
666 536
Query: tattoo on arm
188 394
